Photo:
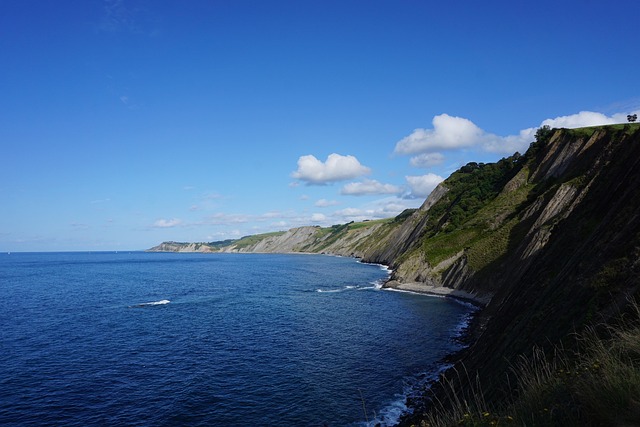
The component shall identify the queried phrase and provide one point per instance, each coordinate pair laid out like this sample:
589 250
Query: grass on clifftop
254 239
597 385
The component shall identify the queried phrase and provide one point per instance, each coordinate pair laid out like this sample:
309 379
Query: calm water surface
170 339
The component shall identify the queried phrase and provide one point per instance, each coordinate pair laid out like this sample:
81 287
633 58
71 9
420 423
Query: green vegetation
444 246
221 243
597 384
404 215
470 216
543 134
255 239
369 223
470 189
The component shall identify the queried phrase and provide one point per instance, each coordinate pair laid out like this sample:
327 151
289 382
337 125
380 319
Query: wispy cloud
206 202
128 102
117 16
98 201
324 203
426 160
167 223
318 217
379 209
226 219
335 168
125 16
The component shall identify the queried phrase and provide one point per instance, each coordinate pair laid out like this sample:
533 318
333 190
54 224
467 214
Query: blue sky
124 123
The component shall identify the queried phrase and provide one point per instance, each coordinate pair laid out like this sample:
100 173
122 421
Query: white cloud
167 223
323 203
369 186
379 209
336 168
318 217
584 119
271 214
426 160
448 133
354 214
510 144
226 219
423 185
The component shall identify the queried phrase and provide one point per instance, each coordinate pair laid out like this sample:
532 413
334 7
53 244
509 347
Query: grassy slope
596 384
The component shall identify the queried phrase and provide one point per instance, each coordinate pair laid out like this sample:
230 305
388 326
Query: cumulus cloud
167 223
423 185
336 168
451 133
369 186
448 133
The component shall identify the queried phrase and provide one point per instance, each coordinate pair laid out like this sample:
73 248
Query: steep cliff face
574 254
571 251
548 241
182 247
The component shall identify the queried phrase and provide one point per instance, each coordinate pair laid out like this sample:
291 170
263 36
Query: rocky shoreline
423 288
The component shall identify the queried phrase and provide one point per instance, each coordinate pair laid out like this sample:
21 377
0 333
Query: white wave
390 414
152 303
346 288
376 285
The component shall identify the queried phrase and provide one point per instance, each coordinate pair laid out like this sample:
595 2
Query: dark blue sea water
166 339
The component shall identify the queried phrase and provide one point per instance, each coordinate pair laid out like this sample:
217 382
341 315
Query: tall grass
596 385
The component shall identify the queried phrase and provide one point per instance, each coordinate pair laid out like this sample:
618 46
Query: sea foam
152 303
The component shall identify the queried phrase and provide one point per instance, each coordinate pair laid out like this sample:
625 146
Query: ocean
172 339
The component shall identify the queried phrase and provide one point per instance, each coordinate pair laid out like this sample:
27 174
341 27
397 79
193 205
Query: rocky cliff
547 241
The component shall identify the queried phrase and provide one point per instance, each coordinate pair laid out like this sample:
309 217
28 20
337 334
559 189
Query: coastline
423 288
